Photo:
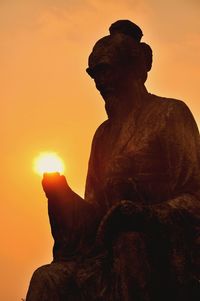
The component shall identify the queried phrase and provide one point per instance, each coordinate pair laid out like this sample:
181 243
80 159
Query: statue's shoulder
101 130
170 106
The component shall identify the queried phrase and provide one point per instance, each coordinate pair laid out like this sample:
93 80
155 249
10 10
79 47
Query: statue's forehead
104 56
104 51
110 48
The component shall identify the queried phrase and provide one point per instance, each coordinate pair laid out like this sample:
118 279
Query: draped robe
153 161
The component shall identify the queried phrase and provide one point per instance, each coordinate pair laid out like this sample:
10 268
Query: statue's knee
41 272
38 283
50 277
55 269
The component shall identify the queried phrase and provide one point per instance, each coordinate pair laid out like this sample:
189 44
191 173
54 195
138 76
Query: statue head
119 59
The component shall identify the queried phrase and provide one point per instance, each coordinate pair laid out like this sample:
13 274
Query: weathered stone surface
135 236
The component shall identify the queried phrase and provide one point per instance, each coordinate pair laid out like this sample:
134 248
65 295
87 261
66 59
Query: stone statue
135 236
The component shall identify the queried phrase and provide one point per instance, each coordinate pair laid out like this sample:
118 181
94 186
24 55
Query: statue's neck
128 102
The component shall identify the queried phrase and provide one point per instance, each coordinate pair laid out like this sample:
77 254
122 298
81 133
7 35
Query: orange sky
49 103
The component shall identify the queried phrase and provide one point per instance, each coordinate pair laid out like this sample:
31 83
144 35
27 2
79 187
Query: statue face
113 64
106 75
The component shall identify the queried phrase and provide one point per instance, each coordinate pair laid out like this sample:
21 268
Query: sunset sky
48 103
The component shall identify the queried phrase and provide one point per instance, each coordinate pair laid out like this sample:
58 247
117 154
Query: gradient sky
49 103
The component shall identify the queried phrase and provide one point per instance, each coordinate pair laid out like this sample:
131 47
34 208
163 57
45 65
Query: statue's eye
100 68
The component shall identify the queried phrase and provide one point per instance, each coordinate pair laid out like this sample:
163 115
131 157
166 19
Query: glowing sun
48 162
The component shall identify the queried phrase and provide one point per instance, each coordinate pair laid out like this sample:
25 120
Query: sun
48 162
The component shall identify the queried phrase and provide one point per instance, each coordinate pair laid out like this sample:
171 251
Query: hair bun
128 28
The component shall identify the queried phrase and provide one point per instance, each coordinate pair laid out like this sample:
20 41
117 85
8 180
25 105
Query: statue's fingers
63 181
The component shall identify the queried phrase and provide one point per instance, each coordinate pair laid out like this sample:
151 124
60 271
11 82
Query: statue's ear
148 55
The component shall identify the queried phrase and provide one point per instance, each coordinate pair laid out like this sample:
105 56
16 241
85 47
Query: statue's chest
131 150
132 156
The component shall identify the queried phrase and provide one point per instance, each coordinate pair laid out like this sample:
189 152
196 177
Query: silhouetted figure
135 236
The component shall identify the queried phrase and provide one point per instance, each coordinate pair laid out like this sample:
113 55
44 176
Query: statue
135 236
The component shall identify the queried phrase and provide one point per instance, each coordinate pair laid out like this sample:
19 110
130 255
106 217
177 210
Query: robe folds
136 235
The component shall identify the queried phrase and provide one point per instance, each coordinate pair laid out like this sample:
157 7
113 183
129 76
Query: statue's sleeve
74 220
182 143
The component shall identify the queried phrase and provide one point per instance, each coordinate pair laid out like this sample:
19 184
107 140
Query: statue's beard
112 105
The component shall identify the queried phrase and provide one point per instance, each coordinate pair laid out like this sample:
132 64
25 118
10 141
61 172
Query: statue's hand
131 216
124 216
55 185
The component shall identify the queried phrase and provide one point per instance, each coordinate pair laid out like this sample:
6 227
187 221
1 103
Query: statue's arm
182 142
71 217
73 220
